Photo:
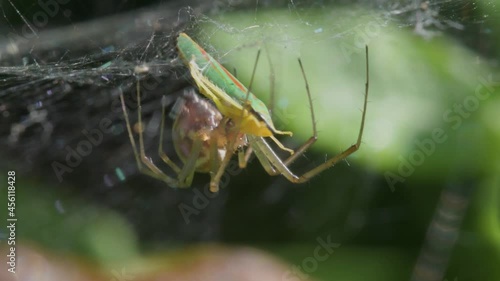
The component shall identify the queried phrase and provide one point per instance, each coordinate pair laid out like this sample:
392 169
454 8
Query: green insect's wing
218 75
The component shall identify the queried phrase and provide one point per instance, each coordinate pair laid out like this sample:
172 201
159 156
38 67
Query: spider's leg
299 151
161 153
150 169
261 146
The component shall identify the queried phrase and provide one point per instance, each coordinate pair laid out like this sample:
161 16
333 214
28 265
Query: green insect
230 96
207 133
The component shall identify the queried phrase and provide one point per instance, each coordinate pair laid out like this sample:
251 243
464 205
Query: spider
207 132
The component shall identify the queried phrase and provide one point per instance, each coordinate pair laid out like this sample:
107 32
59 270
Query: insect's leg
150 169
260 144
269 160
246 105
264 161
162 154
